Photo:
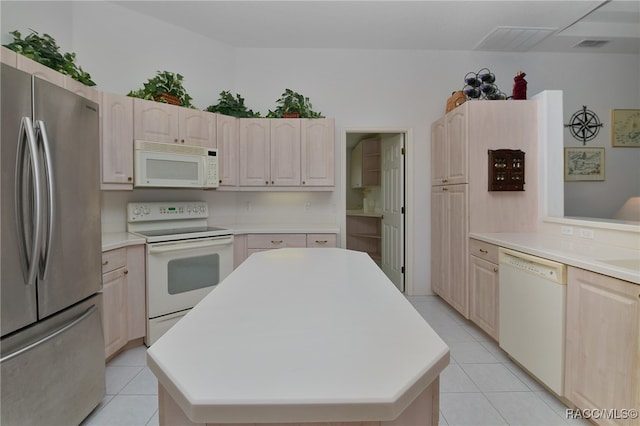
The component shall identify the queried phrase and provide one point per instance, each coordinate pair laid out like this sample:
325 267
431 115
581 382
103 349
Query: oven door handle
189 246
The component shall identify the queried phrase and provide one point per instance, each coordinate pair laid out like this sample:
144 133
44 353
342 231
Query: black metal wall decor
584 125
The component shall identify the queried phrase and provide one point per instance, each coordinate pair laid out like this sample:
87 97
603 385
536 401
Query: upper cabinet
228 149
317 152
449 149
286 153
116 142
159 122
8 56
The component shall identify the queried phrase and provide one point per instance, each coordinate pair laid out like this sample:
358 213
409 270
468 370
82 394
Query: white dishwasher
533 294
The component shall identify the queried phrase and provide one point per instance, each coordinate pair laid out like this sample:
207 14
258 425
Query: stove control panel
145 212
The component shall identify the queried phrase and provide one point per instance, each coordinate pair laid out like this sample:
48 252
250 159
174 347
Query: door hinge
402 210
402 270
402 151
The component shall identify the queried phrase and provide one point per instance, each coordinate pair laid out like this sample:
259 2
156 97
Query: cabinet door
117 141
456 142
136 292
155 121
114 310
255 152
603 343
8 56
197 127
317 152
285 152
439 242
457 257
227 131
438 152
483 295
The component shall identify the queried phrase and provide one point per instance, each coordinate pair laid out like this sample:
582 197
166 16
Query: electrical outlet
307 206
587 233
566 230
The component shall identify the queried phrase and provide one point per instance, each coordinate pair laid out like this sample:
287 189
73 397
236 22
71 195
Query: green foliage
164 82
45 50
291 102
233 106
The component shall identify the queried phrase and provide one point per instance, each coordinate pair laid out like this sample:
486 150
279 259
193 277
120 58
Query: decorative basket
170 99
456 99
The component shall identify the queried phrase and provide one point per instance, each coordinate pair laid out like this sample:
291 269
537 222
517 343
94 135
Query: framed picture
583 164
625 127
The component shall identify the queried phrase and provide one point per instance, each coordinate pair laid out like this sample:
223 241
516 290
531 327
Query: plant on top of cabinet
232 106
293 105
165 87
44 49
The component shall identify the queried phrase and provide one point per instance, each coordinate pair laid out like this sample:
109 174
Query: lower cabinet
123 292
245 245
602 355
483 286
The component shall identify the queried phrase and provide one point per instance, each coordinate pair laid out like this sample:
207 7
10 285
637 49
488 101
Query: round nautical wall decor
584 125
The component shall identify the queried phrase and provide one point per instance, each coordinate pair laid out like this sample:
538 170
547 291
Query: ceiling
508 26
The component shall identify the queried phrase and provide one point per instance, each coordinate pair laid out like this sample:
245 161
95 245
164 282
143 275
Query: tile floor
481 386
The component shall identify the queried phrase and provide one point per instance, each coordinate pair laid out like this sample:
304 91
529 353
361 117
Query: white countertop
604 259
114 240
299 335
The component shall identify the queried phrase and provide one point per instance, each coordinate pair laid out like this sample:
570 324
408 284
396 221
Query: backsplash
228 208
583 231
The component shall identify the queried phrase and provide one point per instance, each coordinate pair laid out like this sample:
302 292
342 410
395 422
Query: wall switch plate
566 230
587 233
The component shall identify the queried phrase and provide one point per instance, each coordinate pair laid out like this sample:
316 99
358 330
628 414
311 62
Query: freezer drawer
54 370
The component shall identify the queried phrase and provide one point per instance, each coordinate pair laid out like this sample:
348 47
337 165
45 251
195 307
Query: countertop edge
516 242
115 240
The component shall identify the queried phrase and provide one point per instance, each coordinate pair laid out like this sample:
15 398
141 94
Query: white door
392 180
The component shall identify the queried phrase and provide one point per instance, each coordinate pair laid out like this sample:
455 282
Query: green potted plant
44 49
292 105
164 87
233 106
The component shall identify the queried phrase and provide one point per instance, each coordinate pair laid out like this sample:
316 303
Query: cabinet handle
271 182
105 263
445 180
181 140
483 251
126 271
495 269
322 241
175 140
445 189
266 182
276 241
220 181
129 178
303 182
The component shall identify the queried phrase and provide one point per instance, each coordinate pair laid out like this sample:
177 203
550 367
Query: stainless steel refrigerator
52 349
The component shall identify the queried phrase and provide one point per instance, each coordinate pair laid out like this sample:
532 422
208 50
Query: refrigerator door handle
45 339
41 130
28 253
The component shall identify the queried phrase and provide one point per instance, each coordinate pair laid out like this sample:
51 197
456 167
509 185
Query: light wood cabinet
364 233
245 245
602 355
460 141
284 156
117 142
317 152
449 251
483 286
124 302
81 89
365 164
8 56
160 122
35 68
228 149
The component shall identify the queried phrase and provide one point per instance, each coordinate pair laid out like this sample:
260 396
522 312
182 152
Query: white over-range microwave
167 165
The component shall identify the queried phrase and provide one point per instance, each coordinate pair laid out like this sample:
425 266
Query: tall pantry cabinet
460 200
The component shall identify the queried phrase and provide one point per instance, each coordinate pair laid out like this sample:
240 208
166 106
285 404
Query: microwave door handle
51 206
27 142
189 246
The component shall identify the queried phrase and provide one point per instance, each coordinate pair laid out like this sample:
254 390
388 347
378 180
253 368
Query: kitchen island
301 336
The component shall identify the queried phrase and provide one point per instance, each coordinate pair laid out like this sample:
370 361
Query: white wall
360 88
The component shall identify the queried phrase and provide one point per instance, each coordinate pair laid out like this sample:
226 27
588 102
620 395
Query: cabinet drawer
270 241
321 240
114 259
486 251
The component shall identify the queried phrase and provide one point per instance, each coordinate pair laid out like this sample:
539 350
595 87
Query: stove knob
146 210
202 209
136 211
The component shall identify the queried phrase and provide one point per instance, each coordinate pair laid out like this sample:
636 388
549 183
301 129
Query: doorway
375 198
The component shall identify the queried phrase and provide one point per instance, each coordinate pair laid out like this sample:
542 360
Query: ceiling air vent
592 43
513 39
